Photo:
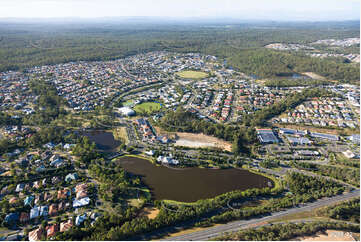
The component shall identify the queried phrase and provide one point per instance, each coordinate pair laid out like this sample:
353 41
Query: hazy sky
242 9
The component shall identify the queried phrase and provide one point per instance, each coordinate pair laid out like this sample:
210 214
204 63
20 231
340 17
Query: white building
349 154
126 111
150 152
167 160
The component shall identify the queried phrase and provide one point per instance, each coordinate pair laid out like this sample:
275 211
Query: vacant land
313 75
201 140
150 212
147 107
192 74
195 140
120 134
329 235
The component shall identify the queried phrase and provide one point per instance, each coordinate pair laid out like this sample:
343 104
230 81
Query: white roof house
81 202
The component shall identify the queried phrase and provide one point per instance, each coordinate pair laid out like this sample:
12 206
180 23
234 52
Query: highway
216 231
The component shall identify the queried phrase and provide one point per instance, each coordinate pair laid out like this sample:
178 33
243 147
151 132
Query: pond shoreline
191 184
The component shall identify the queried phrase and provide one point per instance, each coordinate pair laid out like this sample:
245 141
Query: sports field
147 107
192 74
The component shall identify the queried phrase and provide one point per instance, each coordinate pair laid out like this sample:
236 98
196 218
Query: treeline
304 189
85 150
270 163
116 183
260 117
265 63
294 82
184 121
338 159
6 119
345 174
301 184
348 211
286 231
46 134
136 228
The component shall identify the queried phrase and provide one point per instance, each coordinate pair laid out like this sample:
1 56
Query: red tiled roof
36 234
51 230
64 226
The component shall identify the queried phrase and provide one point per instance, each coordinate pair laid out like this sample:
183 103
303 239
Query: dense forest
270 63
241 44
345 174
295 82
349 211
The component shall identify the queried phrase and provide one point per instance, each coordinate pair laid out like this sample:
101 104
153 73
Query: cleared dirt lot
195 140
150 212
201 140
314 75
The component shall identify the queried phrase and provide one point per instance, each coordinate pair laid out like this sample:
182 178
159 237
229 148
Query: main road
213 232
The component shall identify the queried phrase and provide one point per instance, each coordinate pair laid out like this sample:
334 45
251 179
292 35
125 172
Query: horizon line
177 18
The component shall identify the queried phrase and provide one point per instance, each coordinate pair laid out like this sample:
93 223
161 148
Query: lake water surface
191 184
104 140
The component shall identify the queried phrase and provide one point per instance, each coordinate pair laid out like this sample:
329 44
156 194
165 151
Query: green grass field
128 103
147 107
192 74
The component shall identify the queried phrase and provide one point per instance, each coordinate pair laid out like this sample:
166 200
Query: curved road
213 232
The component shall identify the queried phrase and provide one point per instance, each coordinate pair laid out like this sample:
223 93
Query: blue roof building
266 136
29 200
11 218
57 162
298 140
80 219
41 168
44 211
34 212
330 137
292 132
71 176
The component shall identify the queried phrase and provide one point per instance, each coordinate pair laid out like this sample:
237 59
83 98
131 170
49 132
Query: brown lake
191 184
104 140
